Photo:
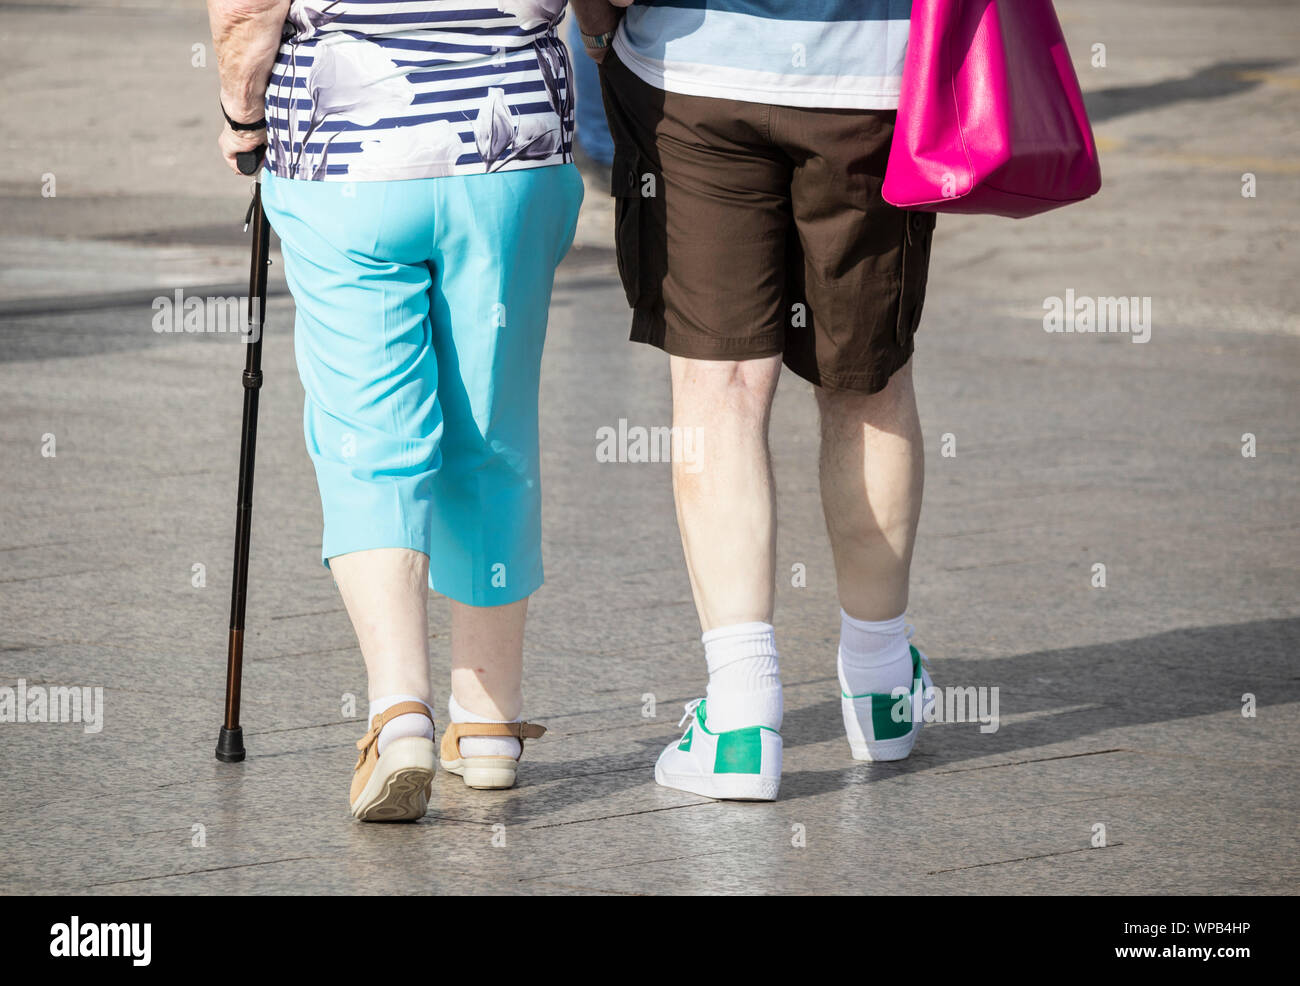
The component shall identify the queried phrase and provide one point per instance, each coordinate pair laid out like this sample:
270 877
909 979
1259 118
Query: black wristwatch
236 125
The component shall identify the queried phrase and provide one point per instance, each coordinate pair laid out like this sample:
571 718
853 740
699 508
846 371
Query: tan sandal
394 787
485 772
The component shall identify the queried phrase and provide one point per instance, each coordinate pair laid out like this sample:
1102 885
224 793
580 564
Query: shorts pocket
913 274
630 209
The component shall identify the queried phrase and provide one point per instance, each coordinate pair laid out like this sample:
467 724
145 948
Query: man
751 138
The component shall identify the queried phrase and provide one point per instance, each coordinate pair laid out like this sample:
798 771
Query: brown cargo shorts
746 230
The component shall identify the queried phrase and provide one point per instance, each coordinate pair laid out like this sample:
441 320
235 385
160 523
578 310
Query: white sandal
485 772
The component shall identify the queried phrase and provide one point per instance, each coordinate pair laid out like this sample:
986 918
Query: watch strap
236 125
598 41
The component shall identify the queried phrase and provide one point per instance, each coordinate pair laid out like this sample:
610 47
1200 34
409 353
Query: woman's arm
246 34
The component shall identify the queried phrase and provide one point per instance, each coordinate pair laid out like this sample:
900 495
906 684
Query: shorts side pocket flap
625 175
625 186
914 274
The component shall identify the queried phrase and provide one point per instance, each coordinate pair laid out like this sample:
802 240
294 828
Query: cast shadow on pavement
1217 81
1049 697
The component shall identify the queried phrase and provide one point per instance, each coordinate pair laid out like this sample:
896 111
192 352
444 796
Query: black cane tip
230 745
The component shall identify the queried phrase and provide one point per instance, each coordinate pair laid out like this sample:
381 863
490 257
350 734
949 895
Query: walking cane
230 743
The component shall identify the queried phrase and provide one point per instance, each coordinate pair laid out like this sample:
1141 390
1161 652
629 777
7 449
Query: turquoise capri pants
421 315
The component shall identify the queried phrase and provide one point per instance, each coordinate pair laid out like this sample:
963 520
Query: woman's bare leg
386 593
487 658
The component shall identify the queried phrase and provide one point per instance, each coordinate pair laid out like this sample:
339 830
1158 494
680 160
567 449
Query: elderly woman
419 173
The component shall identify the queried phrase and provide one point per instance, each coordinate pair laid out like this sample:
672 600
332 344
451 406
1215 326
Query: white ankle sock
874 656
744 677
482 746
410 724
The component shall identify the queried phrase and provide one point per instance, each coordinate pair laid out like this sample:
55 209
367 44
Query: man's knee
740 386
894 402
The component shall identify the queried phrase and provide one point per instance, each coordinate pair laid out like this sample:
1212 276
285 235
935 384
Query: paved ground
1119 706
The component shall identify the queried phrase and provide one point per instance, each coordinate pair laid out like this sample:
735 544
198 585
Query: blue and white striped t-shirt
370 90
820 53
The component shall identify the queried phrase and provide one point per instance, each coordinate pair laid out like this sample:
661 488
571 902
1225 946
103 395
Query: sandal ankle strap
382 719
456 731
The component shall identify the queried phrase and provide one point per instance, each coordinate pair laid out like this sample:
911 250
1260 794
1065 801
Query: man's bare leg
726 502
726 511
872 475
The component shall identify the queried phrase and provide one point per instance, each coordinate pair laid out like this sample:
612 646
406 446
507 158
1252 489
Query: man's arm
246 34
596 17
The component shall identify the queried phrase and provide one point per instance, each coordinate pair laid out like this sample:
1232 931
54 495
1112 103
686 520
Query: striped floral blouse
371 90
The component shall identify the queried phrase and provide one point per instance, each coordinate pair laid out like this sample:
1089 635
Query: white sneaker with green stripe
737 765
884 727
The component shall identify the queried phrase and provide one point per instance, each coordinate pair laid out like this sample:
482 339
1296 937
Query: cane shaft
252 380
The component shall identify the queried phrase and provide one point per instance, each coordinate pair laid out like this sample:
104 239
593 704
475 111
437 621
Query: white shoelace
691 706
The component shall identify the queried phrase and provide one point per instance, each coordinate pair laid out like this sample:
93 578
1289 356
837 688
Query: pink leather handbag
990 119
